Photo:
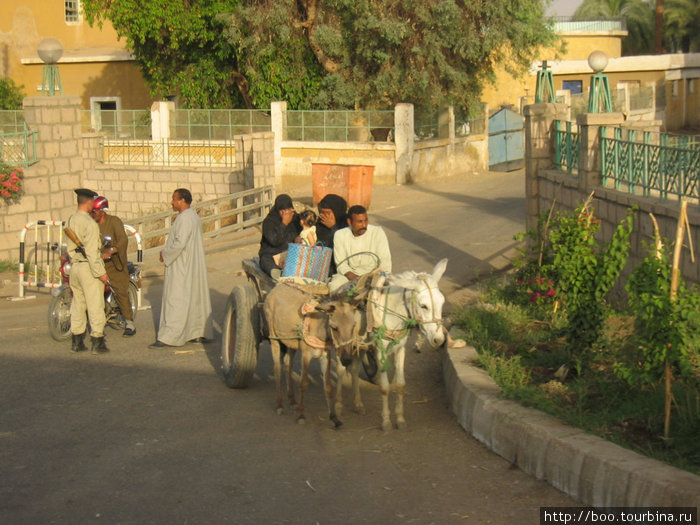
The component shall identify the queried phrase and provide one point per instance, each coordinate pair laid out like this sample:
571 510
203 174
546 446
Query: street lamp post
50 52
599 92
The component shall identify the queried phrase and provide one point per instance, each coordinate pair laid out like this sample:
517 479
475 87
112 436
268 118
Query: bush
11 95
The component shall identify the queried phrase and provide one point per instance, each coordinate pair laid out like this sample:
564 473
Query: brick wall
545 185
68 159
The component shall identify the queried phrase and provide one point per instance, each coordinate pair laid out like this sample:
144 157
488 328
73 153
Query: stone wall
443 157
48 184
69 159
545 186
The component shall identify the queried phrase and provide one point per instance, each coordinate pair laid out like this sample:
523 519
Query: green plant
586 274
11 94
11 184
664 328
8 266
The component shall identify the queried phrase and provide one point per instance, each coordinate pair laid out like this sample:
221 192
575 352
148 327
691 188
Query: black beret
84 192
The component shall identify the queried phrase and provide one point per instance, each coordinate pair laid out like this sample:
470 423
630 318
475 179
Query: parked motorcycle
59 307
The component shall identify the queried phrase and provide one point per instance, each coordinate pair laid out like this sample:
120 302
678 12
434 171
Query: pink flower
551 292
519 281
5 193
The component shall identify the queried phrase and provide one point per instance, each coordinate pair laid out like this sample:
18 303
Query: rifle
73 237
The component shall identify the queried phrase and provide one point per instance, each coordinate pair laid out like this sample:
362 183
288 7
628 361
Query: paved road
145 436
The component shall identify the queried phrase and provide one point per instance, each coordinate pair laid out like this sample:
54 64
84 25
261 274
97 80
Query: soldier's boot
78 345
98 345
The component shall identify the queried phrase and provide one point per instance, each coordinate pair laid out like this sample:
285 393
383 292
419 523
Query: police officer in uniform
87 276
115 259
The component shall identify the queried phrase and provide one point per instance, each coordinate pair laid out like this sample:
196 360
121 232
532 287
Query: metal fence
12 121
567 24
217 124
641 98
223 215
121 123
470 121
168 152
340 126
579 102
653 164
18 148
567 147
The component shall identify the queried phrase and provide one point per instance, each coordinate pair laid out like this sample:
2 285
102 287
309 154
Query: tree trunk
659 28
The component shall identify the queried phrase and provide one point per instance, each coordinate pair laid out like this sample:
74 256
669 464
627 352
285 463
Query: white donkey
396 304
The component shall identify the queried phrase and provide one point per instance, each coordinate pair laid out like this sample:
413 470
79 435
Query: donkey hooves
386 426
301 420
280 411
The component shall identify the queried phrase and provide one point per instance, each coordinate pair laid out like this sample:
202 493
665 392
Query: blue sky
563 7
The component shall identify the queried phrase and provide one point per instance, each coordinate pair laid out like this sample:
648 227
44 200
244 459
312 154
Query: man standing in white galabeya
185 314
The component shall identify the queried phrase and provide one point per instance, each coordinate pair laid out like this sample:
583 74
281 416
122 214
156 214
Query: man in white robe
359 249
185 314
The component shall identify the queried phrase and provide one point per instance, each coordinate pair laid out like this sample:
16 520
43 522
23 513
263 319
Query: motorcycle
62 297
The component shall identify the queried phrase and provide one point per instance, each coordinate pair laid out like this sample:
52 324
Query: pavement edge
590 469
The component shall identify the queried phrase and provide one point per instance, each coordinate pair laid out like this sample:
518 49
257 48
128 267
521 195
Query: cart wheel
239 355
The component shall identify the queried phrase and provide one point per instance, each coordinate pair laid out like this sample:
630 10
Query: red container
353 183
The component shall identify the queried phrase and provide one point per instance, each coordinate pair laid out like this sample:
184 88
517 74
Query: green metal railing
12 121
18 148
653 164
217 124
168 152
567 147
340 126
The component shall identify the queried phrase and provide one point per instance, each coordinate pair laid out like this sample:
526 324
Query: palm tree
682 25
638 15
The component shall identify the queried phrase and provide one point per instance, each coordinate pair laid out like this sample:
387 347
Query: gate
506 141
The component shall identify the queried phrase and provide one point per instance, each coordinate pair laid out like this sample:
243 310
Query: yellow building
95 65
662 87
577 40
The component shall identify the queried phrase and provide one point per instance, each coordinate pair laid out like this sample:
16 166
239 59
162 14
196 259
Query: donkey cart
244 326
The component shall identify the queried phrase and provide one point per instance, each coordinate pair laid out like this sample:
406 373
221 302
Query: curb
590 469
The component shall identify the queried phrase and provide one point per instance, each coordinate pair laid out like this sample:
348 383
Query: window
574 86
674 88
72 8
691 86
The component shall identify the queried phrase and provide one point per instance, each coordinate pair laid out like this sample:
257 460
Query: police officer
115 259
87 276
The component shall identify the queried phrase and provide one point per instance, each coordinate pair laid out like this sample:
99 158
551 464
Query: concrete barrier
588 468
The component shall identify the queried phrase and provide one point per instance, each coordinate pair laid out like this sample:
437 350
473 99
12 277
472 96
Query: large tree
326 53
638 15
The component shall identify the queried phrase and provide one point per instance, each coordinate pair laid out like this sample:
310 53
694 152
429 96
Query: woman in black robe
332 210
279 228
331 217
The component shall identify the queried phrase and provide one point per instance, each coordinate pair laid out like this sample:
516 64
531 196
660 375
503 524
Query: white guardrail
46 251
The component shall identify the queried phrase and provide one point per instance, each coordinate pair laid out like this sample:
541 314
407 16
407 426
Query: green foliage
11 94
682 26
522 354
178 46
638 15
586 274
333 54
663 327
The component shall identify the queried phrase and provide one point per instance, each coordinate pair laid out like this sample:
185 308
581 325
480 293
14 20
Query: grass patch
524 351
8 266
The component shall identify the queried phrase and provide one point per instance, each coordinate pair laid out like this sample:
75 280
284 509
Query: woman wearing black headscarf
280 227
331 211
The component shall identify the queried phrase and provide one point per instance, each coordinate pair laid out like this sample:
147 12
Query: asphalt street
155 436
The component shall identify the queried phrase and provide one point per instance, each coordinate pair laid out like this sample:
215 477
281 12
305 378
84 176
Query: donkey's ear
439 270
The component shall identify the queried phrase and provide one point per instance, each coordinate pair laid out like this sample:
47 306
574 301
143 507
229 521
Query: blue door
506 141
